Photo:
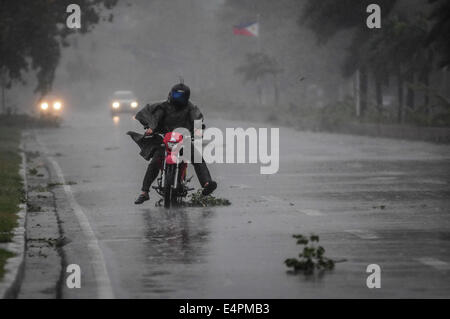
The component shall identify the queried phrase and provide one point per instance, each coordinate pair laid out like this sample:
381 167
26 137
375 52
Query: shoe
209 188
142 198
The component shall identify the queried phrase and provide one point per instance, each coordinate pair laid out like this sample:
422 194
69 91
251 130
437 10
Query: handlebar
161 135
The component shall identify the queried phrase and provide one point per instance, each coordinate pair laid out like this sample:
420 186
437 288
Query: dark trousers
201 170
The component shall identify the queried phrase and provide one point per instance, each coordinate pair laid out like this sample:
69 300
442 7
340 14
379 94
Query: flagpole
258 36
258 50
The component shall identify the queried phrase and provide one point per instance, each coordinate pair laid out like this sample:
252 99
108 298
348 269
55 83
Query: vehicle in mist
50 108
123 102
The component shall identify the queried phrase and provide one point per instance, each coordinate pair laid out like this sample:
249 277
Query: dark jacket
147 144
163 117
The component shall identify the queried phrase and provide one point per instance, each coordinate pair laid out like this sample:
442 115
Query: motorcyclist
176 112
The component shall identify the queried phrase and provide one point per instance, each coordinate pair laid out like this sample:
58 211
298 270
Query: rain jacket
163 117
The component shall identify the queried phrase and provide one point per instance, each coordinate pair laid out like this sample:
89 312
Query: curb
14 268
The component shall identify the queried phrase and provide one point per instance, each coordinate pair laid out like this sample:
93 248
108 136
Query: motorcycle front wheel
170 195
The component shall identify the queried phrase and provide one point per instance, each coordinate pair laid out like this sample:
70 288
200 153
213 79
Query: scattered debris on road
50 185
311 258
199 200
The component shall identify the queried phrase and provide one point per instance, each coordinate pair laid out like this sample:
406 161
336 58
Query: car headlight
57 106
116 105
44 106
134 104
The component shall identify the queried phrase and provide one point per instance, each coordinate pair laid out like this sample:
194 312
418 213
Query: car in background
123 101
50 109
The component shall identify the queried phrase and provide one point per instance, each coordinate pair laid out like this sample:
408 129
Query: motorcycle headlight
134 104
44 106
171 145
57 106
116 105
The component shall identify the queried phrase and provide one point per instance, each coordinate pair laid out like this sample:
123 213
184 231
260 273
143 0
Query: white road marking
113 240
104 287
271 198
240 186
310 212
435 263
431 181
363 234
383 178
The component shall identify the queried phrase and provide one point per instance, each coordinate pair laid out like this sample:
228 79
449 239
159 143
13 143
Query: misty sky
150 44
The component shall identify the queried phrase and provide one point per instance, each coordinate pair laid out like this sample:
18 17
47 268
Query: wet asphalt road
371 201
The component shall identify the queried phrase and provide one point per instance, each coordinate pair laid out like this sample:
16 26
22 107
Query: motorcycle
172 181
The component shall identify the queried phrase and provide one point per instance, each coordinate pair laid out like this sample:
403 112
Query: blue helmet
179 94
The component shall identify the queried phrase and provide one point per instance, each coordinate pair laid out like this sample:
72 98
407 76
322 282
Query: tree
438 36
33 32
404 48
257 66
328 17
398 49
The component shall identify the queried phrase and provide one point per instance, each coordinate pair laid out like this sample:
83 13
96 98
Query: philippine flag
248 29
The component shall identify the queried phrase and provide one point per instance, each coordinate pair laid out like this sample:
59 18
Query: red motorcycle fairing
173 142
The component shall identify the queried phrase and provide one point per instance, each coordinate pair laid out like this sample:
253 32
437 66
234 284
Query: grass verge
11 187
4 255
